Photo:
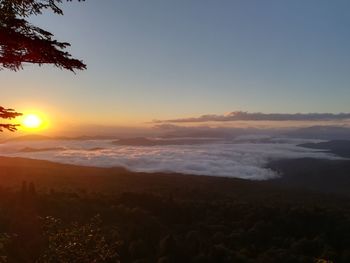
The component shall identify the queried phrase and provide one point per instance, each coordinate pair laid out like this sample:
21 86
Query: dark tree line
196 226
84 215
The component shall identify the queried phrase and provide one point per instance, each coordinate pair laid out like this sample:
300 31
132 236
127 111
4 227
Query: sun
32 121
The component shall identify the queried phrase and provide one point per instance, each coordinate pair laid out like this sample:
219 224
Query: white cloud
241 160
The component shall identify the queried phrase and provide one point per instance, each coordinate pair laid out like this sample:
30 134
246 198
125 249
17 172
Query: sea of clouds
239 159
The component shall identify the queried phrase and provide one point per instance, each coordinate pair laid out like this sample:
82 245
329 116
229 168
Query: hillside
338 147
140 217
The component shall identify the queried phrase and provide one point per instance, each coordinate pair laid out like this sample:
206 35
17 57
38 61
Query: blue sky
162 59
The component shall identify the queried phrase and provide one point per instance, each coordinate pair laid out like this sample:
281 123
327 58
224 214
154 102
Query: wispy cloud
259 116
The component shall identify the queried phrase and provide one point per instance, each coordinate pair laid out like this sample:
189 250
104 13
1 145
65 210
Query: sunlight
32 121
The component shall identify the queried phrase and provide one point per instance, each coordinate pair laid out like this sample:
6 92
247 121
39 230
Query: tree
77 243
21 42
8 114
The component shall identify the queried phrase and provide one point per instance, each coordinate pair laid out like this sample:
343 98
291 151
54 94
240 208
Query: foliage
21 42
167 218
8 114
4 241
76 243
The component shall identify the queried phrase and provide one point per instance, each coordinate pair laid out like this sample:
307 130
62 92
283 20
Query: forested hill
65 213
338 147
318 175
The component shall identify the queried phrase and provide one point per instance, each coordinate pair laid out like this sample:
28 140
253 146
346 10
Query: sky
162 59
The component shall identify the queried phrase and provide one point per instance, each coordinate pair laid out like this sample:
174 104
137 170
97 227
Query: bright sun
32 121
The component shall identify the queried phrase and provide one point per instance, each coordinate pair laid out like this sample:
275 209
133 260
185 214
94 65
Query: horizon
156 128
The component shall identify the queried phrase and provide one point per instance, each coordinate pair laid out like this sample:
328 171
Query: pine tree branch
22 42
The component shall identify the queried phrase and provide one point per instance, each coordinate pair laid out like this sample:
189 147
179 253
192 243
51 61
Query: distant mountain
87 138
30 149
32 137
141 141
207 132
321 133
338 147
35 137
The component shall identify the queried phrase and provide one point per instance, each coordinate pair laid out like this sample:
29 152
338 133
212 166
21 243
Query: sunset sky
178 59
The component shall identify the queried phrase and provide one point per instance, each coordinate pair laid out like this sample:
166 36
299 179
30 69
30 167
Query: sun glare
32 121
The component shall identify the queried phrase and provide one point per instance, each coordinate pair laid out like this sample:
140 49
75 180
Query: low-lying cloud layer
231 159
258 116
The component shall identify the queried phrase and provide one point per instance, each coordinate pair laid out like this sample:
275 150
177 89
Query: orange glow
33 121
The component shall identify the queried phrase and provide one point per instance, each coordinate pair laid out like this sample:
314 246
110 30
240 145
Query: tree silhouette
21 42
8 114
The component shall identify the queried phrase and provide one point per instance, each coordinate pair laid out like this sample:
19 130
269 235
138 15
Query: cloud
239 160
259 116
